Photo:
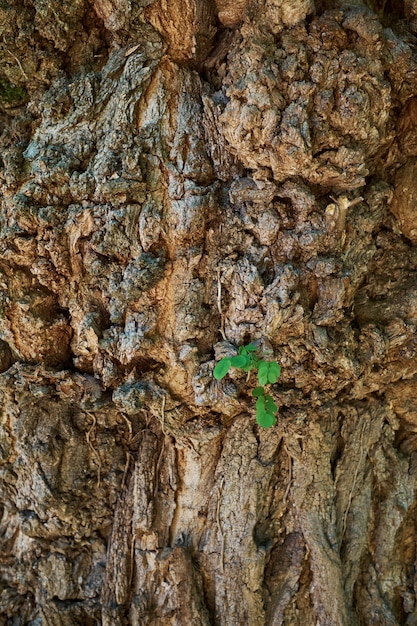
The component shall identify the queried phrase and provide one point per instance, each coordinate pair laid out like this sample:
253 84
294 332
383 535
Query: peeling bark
178 179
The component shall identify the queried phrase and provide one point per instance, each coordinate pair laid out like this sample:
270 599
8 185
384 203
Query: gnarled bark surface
180 177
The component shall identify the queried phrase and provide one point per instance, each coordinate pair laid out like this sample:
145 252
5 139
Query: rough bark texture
179 177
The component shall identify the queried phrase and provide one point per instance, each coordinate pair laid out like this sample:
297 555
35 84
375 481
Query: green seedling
268 374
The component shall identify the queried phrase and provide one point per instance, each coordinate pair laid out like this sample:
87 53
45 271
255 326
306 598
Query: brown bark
180 178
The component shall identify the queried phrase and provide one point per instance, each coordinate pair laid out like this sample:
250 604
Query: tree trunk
180 178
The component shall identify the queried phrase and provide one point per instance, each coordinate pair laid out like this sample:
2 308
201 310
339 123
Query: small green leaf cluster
11 94
268 373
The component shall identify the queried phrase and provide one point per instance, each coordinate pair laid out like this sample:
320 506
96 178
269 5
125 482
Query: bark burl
179 178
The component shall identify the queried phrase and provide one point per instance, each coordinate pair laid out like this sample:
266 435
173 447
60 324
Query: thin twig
284 499
219 490
92 448
17 61
129 456
132 50
129 426
158 464
355 477
132 562
219 305
163 415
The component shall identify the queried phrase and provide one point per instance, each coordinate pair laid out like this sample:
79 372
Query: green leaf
240 361
265 419
260 404
263 372
250 347
270 404
248 367
221 369
274 372
258 392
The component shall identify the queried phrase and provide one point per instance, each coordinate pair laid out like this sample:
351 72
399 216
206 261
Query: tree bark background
178 178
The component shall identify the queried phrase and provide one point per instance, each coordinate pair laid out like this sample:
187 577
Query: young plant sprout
268 374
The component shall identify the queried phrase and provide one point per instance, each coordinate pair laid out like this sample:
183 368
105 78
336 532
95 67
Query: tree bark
179 178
